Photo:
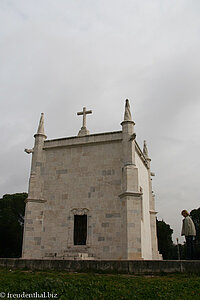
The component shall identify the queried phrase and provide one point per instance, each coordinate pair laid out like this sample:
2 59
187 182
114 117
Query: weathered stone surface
105 224
61 171
113 215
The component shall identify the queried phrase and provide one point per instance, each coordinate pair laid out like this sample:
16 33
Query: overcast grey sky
58 56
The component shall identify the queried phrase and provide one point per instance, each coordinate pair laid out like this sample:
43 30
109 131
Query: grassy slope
96 286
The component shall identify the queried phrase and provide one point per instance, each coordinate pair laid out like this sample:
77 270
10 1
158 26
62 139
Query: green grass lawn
98 286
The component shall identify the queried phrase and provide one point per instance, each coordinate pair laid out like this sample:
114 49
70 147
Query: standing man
188 230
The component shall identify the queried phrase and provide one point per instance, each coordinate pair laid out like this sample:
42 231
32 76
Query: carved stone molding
80 211
35 200
135 194
153 212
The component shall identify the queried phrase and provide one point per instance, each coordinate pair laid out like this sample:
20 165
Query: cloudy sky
58 56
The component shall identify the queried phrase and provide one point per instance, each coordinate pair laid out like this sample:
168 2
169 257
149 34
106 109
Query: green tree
165 243
166 246
12 209
195 214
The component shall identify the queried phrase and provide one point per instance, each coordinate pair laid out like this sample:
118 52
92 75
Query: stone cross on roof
84 130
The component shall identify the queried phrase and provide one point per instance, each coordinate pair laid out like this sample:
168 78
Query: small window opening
80 229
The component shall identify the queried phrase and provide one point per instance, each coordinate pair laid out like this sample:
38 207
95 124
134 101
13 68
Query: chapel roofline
75 141
85 136
141 154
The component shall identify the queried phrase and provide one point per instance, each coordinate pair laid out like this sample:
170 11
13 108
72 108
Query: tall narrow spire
127 113
40 130
41 124
145 150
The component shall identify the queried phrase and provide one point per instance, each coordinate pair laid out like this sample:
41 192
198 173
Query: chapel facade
90 197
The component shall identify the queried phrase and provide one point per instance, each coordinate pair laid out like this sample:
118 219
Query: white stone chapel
90 197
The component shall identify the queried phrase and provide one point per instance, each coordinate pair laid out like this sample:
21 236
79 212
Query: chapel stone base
105 266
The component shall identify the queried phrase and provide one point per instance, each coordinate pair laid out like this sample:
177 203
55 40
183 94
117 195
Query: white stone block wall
86 175
83 176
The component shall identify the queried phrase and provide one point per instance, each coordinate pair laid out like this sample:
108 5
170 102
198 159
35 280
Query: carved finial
127 113
145 150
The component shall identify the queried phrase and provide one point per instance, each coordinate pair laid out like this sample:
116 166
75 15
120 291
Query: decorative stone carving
29 150
80 211
133 136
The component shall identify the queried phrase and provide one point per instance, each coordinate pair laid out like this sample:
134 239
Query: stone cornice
144 159
35 200
139 151
108 137
130 194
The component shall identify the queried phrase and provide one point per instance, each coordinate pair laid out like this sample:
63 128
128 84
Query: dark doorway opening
80 229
